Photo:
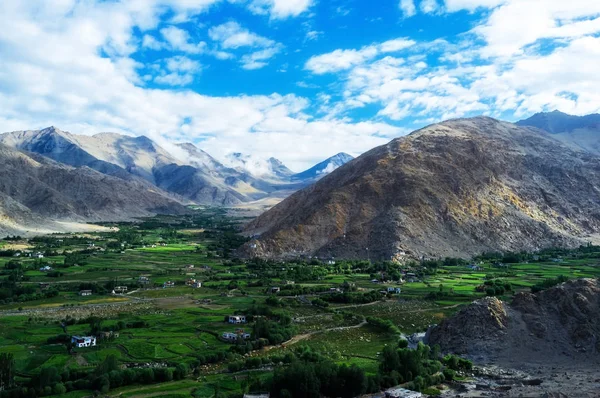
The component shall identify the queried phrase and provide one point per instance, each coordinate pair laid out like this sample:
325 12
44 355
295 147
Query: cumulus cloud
280 9
340 60
232 36
91 84
408 8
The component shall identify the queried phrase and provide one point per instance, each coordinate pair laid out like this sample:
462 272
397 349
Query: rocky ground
540 345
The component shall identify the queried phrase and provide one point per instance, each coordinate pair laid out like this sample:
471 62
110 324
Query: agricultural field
158 335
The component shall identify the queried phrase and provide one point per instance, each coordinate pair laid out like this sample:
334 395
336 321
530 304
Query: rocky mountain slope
582 132
452 189
35 190
327 166
561 323
185 170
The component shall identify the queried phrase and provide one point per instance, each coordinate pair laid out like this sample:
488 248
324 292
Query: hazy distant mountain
557 122
129 157
582 132
456 188
270 169
36 191
325 167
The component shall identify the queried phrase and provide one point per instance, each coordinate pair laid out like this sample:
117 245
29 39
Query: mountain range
457 188
185 174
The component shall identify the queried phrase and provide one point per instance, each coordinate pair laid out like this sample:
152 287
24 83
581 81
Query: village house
143 280
394 290
85 292
474 267
38 255
120 289
290 283
46 268
274 290
190 282
168 284
197 285
190 267
236 319
85 341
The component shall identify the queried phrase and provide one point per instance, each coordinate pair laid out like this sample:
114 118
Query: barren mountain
197 178
35 190
560 323
582 132
452 189
320 170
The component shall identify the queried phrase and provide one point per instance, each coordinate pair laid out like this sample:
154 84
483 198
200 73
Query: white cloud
313 34
471 5
83 91
180 40
340 60
232 36
395 45
408 8
428 6
280 9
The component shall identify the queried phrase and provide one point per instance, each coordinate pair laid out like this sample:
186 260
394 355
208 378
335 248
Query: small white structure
46 269
85 292
197 285
83 341
237 319
399 392
120 289
168 284
394 290
143 280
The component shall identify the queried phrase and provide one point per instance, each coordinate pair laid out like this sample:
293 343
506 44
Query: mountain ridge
455 188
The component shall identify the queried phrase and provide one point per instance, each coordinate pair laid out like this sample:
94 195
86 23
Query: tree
7 368
299 379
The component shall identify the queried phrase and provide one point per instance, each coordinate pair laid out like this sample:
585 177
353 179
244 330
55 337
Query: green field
160 327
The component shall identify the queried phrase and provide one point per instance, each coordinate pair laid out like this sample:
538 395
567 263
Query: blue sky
296 79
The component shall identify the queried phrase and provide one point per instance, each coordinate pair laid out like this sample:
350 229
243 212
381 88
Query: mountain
553 326
270 169
197 178
581 132
325 167
456 188
37 191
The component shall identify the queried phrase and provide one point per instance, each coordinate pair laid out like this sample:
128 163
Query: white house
121 289
85 292
197 285
236 319
46 269
394 290
83 341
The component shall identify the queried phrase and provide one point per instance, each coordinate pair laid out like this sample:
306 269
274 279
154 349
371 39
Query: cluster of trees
311 375
273 332
548 283
383 324
496 287
106 376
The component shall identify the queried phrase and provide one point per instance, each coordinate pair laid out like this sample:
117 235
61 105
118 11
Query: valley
161 290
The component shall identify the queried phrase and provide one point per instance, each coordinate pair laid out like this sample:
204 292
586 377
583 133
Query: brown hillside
452 189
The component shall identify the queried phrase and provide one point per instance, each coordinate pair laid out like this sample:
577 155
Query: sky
300 80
